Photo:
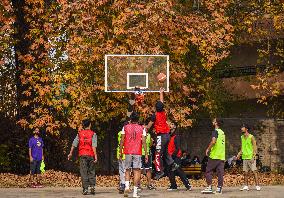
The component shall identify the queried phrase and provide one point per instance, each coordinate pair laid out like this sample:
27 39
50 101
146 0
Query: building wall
269 135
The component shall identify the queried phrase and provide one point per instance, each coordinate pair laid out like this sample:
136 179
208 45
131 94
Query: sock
135 190
126 184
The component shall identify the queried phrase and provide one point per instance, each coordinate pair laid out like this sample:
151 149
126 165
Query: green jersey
118 147
247 147
148 143
218 150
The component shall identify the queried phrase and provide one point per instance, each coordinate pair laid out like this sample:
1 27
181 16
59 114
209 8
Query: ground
267 192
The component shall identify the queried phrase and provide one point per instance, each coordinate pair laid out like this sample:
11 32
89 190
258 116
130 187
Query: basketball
161 77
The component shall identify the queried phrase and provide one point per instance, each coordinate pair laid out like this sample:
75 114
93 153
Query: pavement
266 191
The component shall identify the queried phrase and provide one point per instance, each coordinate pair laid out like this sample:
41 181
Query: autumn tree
60 47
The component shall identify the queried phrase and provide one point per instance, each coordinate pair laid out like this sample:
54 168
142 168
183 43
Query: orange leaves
67 76
28 58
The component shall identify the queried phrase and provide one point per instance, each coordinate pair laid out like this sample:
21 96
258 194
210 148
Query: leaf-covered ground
53 178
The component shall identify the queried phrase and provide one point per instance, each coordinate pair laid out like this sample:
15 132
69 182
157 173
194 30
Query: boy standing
147 166
36 157
132 138
121 165
248 153
86 139
216 159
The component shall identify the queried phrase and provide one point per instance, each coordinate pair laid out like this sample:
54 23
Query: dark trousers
213 165
162 151
87 170
179 172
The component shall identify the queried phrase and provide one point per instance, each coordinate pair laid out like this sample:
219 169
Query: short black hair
159 106
246 126
134 117
219 122
86 123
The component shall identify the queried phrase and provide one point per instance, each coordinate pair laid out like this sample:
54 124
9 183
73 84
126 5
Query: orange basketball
161 77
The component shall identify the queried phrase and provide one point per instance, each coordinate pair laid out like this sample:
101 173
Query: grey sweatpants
87 170
218 165
121 168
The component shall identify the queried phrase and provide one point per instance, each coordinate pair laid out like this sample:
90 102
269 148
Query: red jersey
85 142
160 123
172 147
133 139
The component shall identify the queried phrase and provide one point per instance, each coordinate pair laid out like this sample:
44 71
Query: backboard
125 72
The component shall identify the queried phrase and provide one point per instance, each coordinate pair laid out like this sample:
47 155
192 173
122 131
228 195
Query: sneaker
39 185
175 166
218 190
135 195
244 188
151 187
159 175
85 191
172 188
258 188
207 190
33 185
188 187
126 191
93 190
121 188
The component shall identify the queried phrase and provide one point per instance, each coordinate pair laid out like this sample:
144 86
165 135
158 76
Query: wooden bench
192 170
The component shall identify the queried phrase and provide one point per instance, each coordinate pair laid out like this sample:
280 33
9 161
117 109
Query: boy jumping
159 120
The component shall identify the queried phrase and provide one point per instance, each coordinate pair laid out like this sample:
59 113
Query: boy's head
245 128
173 127
217 122
36 131
159 106
134 117
86 123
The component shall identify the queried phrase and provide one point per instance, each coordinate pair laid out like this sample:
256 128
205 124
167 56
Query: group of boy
216 161
134 150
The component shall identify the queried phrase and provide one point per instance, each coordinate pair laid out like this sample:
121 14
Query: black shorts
147 165
35 167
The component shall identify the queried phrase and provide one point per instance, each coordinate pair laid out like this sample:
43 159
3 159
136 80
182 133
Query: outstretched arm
162 94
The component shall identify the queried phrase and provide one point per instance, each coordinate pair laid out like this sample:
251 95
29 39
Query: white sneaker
135 195
244 188
258 188
207 190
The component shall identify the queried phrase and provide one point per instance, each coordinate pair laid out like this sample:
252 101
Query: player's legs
179 172
121 175
38 174
92 174
164 149
84 174
158 160
220 175
137 164
211 166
